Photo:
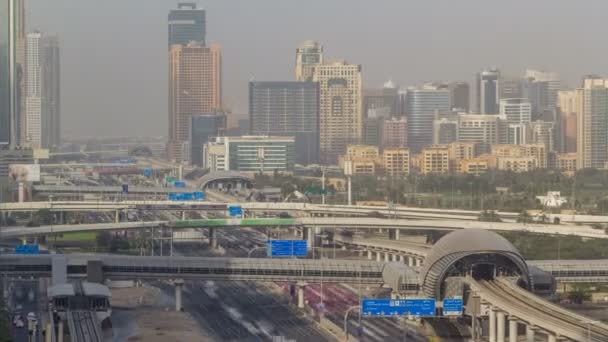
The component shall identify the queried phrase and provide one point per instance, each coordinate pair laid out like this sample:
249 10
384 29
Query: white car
31 316
19 323
16 318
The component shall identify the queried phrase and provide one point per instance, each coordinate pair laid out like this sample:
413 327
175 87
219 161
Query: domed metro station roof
467 248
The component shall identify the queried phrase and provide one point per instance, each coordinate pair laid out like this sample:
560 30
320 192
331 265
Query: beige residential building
396 161
537 151
435 159
483 129
194 88
362 151
592 123
566 162
475 166
518 164
340 119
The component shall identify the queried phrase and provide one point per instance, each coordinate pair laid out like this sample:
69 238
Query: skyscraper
7 72
20 71
205 127
340 119
308 54
287 109
592 140
516 111
33 99
386 97
422 104
541 87
488 91
459 96
51 93
194 88
187 24
567 120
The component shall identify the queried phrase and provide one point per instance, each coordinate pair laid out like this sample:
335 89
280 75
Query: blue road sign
198 195
235 210
125 188
286 248
452 306
147 172
398 307
27 249
179 184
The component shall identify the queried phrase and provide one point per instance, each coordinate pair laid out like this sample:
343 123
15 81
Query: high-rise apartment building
567 108
187 24
340 120
194 88
8 72
33 99
485 130
51 93
459 96
516 111
592 125
488 91
543 132
287 109
308 55
422 105
394 133
510 87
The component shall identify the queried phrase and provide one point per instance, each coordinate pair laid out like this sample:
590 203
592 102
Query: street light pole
346 318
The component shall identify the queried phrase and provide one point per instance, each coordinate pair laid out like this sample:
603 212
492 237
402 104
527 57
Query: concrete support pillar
551 338
394 257
393 234
386 257
179 284
500 326
418 262
394 295
117 216
378 256
492 326
61 217
512 329
308 235
410 261
402 258
301 288
212 238
183 215
350 191
530 332
48 334
60 331
295 232
369 254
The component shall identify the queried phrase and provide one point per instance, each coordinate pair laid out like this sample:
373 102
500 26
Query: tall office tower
394 133
543 132
205 128
373 124
33 93
510 87
8 73
445 129
516 111
20 41
567 108
402 101
541 89
592 125
423 103
194 88
187 25
488 91
381 98
486 130
459 96
340 119
51 93
287 109
308 55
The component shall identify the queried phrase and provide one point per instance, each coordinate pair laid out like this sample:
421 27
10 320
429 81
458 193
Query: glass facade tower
187 24
7 71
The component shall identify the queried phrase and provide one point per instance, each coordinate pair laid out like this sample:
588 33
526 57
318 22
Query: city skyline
412 62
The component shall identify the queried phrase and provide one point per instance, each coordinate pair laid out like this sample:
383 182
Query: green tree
579 294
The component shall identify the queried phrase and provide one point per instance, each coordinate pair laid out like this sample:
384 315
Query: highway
537 312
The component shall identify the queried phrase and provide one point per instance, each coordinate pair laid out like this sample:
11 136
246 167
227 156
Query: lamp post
346 318
254 249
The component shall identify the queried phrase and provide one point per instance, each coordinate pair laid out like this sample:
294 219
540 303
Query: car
19 323
16 318
31 316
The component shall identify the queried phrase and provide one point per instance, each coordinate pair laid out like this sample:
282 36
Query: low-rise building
566 162
396 161
518 164
475 166
250 153
435 159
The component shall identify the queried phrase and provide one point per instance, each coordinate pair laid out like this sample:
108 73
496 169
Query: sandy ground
144 314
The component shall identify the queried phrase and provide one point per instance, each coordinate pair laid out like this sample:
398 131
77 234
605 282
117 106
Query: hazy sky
114 52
